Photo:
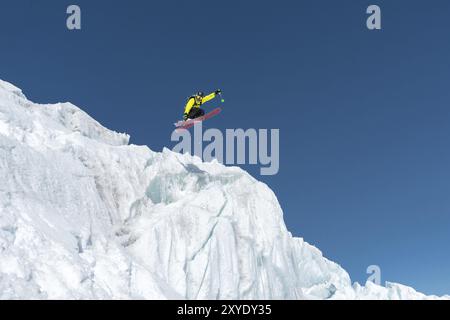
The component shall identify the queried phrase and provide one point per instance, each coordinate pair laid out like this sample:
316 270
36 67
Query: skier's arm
209 97
188 107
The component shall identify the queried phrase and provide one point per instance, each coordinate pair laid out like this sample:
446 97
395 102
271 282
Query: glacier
86 215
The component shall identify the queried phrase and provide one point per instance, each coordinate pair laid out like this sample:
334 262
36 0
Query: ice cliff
86 215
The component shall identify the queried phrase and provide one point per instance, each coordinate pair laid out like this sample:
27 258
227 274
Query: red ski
191 122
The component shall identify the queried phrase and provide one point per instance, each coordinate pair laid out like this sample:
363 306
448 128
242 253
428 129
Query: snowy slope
84 215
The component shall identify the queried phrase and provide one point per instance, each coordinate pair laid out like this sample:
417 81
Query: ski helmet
200 94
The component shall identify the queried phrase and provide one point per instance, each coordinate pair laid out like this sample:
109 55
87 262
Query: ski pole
221 98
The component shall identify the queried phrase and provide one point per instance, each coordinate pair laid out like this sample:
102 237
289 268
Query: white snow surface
85 215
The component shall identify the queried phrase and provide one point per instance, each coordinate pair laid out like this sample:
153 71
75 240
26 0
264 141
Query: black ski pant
195 113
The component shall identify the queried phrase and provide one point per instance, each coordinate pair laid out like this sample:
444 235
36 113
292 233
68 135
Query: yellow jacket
193 104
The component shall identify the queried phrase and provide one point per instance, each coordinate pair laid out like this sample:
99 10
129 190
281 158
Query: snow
86 215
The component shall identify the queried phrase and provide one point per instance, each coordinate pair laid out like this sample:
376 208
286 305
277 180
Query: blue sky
363 115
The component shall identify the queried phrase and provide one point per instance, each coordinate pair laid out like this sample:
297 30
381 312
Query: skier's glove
185 116
218 91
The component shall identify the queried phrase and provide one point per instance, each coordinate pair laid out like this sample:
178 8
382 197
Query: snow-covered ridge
83 215
8 87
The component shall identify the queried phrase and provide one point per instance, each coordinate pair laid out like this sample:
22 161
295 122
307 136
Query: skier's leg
195 113
192 113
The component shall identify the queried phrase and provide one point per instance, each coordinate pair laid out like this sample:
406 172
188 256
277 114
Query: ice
86 215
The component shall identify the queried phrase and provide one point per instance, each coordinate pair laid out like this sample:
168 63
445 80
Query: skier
192 109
